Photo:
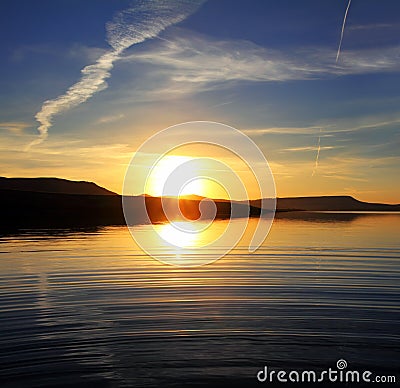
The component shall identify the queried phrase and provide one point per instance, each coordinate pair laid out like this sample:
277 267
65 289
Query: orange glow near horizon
291 179
201 185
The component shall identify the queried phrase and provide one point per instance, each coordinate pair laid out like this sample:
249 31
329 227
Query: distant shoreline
53 203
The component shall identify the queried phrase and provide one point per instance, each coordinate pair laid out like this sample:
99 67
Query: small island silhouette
58 203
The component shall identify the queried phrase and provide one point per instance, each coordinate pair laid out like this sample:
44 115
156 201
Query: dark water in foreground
87 308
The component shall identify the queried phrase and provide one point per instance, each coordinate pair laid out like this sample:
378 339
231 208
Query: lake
88 308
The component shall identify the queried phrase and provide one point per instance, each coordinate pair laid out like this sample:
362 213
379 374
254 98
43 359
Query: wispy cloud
128 27
110 119
14 127
371 26
330 128
188 63
92 81
339 167
309 148
198 59
359 125
282 131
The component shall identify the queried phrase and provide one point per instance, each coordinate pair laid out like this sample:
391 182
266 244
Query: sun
164 170
186 176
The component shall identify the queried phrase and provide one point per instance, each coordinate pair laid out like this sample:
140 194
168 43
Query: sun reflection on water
181 234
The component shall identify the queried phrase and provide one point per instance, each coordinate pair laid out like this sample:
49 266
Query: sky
84 83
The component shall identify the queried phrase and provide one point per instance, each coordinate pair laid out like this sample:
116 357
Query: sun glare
178 238
196 179
164 170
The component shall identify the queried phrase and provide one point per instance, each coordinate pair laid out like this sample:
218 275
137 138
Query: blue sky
265 67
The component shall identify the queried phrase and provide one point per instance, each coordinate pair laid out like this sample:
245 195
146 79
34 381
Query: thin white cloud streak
110 119
281 131
368 125
318 152
373 26
131 26
310 148
92 81
342 31
330 128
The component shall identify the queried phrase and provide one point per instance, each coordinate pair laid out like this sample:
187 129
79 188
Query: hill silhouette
58 203
53 185
329 203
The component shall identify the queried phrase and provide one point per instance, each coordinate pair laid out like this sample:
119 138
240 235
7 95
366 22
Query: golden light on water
173 234
187 235
197 172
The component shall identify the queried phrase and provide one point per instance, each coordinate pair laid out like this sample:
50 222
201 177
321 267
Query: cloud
330 128
385 59
186 62
365 123
371 26
337 167
198 59
14 127
92 81
110 119
310 148
81 51
146 20
342 31
128 27
312 130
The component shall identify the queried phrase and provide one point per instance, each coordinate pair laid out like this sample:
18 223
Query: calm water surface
88 308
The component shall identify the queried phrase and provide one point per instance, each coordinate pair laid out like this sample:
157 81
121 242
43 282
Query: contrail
318 151
342 32
131 26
